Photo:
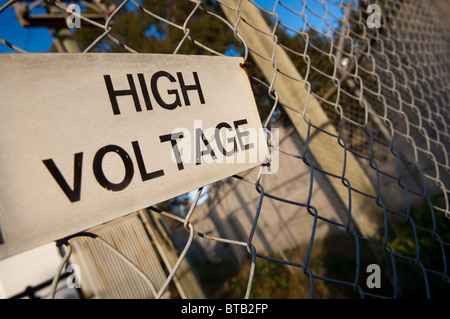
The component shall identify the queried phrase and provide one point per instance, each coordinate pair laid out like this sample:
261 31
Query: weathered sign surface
86 138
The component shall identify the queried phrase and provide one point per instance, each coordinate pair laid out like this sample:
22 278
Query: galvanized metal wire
386 95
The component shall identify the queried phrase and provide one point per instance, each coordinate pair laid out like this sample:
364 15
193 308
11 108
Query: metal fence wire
361 87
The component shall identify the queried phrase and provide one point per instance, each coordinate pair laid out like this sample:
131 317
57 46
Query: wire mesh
384 92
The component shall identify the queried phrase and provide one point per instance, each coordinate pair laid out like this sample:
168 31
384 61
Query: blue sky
39 39
28 39
314 11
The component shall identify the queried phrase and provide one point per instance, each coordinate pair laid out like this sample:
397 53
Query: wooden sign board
86 138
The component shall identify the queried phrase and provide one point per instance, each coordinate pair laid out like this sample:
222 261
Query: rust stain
244 66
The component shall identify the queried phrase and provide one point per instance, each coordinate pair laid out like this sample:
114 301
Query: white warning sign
86 138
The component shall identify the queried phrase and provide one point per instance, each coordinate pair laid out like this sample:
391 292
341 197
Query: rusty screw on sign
245 65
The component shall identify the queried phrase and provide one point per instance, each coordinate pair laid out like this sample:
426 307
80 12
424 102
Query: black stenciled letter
240 135
230 139
98 169
176 151
200 136
113 94
158 98
148 103
185 88
140 161
75 193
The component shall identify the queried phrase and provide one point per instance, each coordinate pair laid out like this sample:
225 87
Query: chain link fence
363 85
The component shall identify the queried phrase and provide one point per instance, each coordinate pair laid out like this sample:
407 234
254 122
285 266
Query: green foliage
420 248
147 33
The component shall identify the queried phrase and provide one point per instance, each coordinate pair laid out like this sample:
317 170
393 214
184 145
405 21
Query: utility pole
55 19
